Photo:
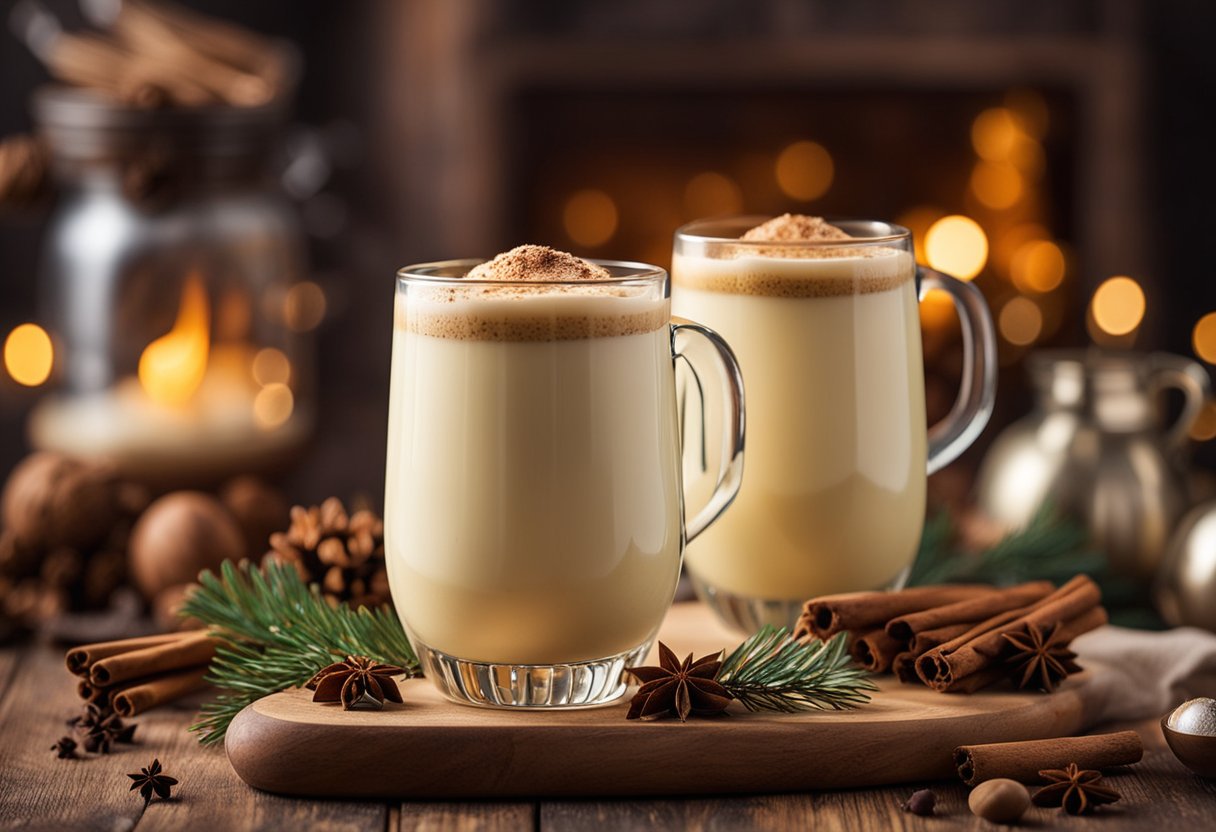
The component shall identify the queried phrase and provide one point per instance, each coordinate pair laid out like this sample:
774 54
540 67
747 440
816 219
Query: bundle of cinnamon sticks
159 54
950 637
136 674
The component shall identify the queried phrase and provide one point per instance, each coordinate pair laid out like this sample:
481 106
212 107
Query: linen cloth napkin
1136 674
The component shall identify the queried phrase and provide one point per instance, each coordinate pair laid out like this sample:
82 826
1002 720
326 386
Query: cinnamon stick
92 693
1023 761
148 694
904 668
925 641
830 614
80 659
197 648
905 627
1083 623
942 668
875 650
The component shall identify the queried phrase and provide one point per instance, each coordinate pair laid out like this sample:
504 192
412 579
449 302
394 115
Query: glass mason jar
167 273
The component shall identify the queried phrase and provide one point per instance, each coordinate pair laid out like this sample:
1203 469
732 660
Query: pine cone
343 553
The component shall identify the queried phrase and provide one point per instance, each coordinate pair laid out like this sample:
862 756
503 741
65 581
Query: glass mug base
530 686
748 614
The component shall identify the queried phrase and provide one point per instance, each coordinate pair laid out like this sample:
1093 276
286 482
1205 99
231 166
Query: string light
304 306
995 133
1204 427
272 406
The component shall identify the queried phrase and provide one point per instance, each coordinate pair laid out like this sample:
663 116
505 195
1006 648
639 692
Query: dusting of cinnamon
795 228
537 263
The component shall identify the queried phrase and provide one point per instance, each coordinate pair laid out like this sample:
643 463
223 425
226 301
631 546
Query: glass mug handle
730 469
977 392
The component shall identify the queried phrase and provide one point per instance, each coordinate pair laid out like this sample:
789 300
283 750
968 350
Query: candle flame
172 367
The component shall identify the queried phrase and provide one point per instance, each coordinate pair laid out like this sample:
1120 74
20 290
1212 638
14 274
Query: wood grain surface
290 745
40 792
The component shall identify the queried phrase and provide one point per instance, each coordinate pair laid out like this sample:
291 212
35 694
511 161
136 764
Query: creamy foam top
796 271
519 306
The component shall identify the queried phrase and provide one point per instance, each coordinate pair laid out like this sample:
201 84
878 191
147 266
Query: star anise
1077 791
1041 657
680 688
101 728
152 780
356 681
65 749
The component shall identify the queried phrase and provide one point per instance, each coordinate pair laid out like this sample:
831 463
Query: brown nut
53 500
177 537
1000 800
260 510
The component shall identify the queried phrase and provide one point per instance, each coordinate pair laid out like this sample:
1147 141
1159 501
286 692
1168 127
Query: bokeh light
936 309
918 220
710 194
29 355
995 133
957 246
590 217
1006 242
804 170
273 405
1037 266
1204 338
1020 321
271 366
998 185
1118 305
304 306
1204 427
1030 112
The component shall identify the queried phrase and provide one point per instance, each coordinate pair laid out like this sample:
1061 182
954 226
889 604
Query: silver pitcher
1096 445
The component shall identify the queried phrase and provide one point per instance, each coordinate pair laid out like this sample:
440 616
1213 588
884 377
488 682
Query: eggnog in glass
824 321
534 514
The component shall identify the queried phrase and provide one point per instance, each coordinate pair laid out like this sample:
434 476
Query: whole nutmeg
178 536
259 508
1000 800
52 500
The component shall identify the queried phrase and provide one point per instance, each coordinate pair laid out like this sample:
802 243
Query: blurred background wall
1074 134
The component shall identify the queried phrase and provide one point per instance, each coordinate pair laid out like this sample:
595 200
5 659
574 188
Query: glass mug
534 516
828 336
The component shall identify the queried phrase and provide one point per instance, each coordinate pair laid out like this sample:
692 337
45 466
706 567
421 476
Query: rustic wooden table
39 791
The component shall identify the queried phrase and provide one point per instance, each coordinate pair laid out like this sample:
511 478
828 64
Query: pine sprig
277 632
1049 546
773 672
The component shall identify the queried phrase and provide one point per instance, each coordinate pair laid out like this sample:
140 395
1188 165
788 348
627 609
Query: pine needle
773 672
1049 546
277 632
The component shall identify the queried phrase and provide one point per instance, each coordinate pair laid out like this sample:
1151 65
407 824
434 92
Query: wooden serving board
434 749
